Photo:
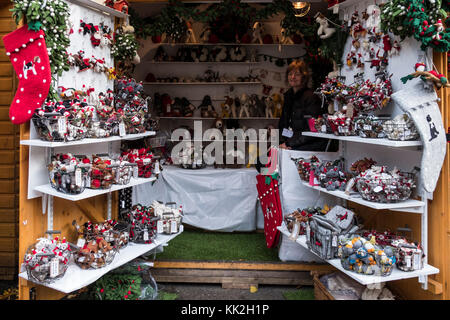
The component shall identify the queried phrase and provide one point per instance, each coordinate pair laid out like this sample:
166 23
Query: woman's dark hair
301 66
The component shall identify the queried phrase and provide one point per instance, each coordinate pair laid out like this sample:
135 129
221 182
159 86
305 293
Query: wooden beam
286 266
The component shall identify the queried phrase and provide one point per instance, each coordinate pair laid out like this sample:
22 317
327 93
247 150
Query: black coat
297 108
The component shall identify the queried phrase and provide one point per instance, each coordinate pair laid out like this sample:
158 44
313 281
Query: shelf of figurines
203 83
377 141
56 144
89 193
100 7
76 278
356 197
205 62
228 44
366 279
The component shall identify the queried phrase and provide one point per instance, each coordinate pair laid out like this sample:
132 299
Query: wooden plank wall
9 157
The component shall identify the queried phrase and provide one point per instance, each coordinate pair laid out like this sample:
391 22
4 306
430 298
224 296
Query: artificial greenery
417 18
52 18
125 46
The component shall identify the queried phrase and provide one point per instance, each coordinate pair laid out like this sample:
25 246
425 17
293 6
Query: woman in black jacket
300 104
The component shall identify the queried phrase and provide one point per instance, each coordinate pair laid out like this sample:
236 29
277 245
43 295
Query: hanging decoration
423 20
52 18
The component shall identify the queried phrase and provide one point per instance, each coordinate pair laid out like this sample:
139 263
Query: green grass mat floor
222 246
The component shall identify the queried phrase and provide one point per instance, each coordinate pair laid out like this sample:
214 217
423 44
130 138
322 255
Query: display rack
410 205
76 278
362 278
202 83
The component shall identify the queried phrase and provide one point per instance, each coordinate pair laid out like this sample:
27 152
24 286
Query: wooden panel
8 230
3 56
6 84
7 186
5 98
7 157
7 171
8 245
6 25
4 11
8 215
8 259
6 69
7 200
8 273
7 142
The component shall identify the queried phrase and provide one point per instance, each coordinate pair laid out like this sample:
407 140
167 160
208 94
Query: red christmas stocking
28 54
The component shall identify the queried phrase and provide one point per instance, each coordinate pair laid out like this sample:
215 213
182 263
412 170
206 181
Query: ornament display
296 222
364 256
400 128
305 166
368 126
324 231
142 221
114 232
145 160
47 260
170 217
67 174
380 185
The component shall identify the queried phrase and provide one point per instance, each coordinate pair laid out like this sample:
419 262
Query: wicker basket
95 254
68 182
57 128
368 127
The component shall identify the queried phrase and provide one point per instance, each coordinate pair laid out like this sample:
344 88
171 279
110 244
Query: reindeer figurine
190 35
284 38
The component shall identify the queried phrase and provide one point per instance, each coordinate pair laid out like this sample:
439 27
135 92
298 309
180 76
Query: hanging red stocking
28 54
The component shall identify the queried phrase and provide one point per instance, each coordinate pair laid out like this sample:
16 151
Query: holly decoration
52 18
423 20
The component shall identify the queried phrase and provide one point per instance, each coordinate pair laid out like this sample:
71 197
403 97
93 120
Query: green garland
416 18
53 20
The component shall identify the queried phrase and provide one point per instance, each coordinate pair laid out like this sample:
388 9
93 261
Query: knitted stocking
28 54
421 105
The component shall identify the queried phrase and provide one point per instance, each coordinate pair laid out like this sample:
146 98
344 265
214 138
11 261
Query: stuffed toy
431 76
187 107
237 53
220 53
167 103
207 109
277 100
226 107
245 105
269 106
324 31
257 32
190 35
205 34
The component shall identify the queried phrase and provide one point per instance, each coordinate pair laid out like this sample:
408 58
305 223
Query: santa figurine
420 67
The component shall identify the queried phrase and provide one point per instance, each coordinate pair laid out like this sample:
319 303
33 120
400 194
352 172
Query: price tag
308 232
417 260
367 127
146 161
173 226
88 181
122 131
336 105
157 171
295 231
288 133
54 267
81 242
159 226
377 189
62 125
323 128
334 241
408 261
81 259
145 235
78 177
135 172
336 9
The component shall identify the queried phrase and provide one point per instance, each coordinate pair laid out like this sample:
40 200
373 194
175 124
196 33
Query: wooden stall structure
22 220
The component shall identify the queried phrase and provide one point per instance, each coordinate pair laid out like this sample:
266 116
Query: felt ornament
421 105
431 76
28 54
324 31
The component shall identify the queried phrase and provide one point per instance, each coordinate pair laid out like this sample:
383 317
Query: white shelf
378 141
49 144
76 278
200 118
355 197
99 7
202 62
202 83
367 279
89 193
228 44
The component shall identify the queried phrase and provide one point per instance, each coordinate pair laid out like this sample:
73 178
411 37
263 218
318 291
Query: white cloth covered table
212 199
